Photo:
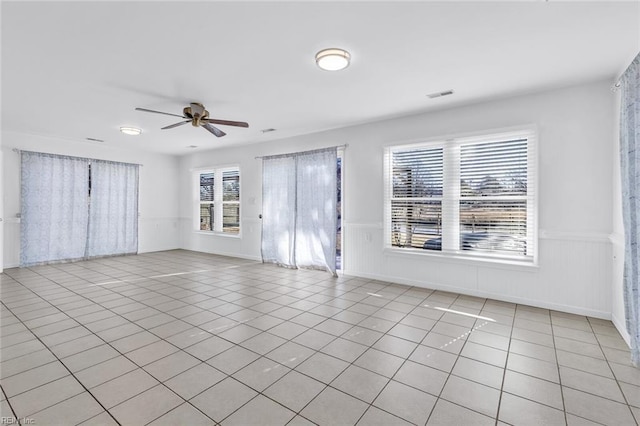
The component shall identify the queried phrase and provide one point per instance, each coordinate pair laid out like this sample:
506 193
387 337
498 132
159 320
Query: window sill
489 262
218 234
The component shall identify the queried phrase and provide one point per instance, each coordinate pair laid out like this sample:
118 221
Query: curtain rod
72 156
302 152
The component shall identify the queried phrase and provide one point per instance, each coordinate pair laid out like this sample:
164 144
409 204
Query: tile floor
185 338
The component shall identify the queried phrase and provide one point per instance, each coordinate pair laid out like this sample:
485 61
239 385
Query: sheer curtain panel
316 213
279 210
54 197
299 196
630 171
113 214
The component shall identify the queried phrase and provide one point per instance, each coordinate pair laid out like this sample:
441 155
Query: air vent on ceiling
95 140
440 94
268 130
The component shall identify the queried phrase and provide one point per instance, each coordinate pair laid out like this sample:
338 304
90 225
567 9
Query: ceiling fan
198 116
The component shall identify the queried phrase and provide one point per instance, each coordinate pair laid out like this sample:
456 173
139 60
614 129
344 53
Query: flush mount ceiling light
133 131
333 59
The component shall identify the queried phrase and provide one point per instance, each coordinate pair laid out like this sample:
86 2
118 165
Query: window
470 197
218 208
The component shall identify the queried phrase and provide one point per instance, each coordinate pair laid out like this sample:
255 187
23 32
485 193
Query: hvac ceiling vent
440 94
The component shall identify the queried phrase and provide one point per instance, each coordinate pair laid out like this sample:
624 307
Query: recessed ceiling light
333 59
133 131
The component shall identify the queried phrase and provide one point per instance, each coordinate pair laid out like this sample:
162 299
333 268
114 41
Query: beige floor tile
591 383
224 398
260 411
45 396
261 373
171 365
360 383
290 354
597 409
263 343
102 419
343 349
446 413
377 417
474 396
234 359
435 358
294 390
25 362
332 407
69 412
322 367
150 353
146 406
33 378
185 414
195 380
208 348
480 372
379 362
405 402
532 388
420 376
123 387
90 357
533 367
516 410
105 371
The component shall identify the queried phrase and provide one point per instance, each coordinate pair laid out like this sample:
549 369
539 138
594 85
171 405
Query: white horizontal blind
207 197
231 201
473 196
493 197
416 204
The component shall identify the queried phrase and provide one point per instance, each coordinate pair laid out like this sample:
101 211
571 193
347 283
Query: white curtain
113 215
299 210
278 210
54 197
630 171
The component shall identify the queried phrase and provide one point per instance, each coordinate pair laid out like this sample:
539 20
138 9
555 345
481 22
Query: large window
472 196
218 207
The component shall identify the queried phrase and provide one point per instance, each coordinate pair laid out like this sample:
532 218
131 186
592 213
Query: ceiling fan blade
176 125
159 112
228 122
219 133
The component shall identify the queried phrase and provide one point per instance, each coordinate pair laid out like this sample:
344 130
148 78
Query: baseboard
622 329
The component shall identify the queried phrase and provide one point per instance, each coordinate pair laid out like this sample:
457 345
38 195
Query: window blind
473 196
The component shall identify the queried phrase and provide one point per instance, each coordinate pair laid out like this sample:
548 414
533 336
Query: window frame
451 197
218 201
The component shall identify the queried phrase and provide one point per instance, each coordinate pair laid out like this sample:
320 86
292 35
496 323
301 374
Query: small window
469 197
218 207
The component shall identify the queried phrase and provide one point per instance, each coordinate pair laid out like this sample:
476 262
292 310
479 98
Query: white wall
575 199
158 224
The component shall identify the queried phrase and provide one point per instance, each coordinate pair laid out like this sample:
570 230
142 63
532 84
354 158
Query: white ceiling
74 70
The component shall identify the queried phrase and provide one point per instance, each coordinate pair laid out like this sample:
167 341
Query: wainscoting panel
573 274
11 247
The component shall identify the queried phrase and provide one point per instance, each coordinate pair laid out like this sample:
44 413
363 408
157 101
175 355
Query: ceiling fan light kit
333 59
198 116
133 131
